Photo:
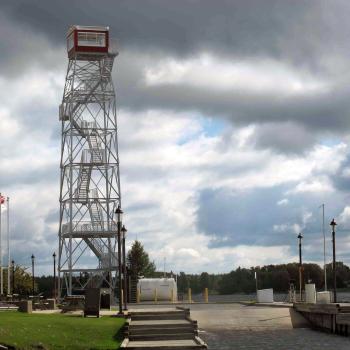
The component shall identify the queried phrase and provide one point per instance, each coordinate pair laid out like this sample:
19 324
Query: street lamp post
333 224
54 275
13 276
300 237
119 213
33 258
124 230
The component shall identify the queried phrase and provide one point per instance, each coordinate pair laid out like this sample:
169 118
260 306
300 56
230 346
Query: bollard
122 296
26 306
189 295
172 295
51 304
206 298
138 295
155 295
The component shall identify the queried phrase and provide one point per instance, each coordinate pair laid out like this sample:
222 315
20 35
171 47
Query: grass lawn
58 331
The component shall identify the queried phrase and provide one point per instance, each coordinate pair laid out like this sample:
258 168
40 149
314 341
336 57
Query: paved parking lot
269 339
238 327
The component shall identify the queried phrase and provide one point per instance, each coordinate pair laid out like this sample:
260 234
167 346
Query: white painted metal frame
89 183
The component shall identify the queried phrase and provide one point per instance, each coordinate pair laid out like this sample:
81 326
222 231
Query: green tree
204 280
139 262
23 281
182 283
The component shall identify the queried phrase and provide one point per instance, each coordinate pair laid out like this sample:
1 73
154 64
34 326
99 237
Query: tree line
279 277
240 280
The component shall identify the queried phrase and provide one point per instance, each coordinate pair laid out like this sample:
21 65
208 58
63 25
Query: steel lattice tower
89 182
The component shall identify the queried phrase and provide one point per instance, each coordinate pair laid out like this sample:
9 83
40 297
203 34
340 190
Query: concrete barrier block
324 297
310 293
265 296
26 306
51 304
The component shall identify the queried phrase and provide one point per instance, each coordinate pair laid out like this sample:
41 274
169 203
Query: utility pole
300 237
2 200
13 277
324 249
33 281
54 275
333 224
119 213
164 274
124 230
8 248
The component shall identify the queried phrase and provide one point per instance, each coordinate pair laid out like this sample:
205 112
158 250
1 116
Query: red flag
2 199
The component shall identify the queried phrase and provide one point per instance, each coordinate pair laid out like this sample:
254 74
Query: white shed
164 289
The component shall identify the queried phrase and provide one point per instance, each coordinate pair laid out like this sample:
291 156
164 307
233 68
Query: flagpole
1 272
8 247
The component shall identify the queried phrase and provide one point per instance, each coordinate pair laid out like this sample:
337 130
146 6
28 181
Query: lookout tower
89 182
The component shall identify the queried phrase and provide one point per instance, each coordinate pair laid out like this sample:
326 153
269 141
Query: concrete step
161 324
168 330
184 344
163 316
159 312
163 336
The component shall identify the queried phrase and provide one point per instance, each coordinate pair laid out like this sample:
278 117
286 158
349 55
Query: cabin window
70 41
92 39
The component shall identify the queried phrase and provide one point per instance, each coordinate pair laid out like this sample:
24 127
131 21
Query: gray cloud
243 27
288 138
255 217
341 177
305 36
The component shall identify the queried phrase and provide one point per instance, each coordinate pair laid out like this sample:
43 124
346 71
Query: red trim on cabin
76 48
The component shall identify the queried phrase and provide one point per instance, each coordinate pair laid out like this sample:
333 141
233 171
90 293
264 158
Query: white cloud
344 217
287 228
213 73
283 202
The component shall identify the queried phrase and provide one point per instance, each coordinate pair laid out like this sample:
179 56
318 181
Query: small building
162 289
86 40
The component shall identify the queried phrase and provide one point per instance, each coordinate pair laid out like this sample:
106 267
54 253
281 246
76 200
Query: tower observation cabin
87 40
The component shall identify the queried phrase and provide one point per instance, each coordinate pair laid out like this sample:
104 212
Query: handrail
88 226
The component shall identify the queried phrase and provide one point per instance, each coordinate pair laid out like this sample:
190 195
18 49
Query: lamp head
333 223
119 213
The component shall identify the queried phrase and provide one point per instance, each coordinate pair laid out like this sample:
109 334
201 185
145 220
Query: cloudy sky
234 125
